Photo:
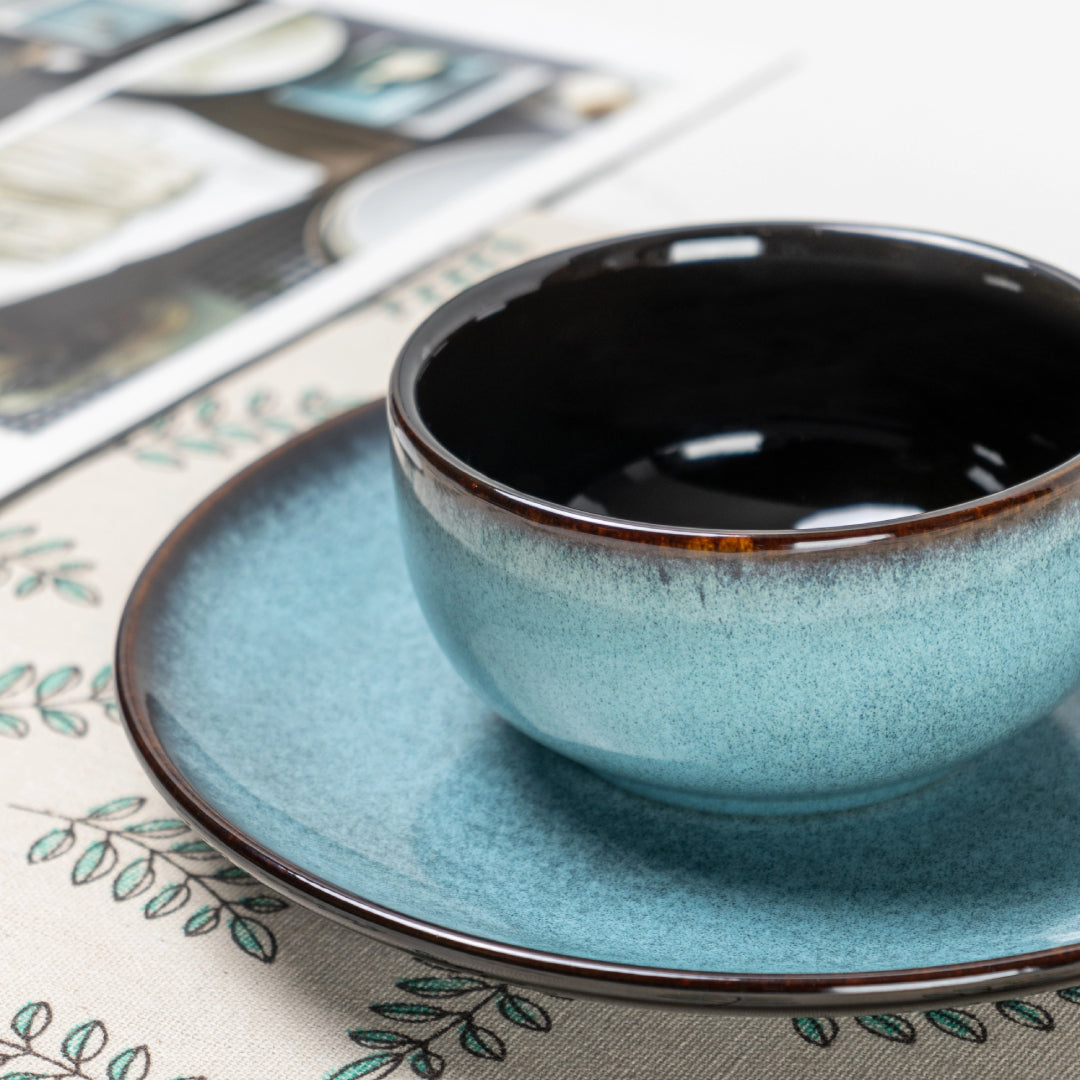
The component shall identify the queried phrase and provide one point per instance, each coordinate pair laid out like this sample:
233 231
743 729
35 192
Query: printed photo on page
228 200
48 44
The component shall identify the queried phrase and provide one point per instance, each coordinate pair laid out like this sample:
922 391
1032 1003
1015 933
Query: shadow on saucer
981 863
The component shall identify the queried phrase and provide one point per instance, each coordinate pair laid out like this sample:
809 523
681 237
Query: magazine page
48 44
230 196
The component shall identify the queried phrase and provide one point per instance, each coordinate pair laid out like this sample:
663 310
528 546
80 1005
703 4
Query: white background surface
958 116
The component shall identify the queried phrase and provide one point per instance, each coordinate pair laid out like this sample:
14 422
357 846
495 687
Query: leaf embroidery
35 565
202 429
816 1030
254 938
1025 1013
463 997
481 1043
84 1042
888 1026
56 700
82 1048
958 1023
466 268
168 877
524 1013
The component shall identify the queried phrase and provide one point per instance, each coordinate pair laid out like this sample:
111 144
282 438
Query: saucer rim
832 993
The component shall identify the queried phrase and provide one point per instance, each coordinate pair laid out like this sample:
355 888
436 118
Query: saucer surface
280 682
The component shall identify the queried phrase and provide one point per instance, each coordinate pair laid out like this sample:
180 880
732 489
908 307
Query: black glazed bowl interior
748 378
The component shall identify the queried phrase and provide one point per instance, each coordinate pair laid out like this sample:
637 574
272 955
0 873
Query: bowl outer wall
763 678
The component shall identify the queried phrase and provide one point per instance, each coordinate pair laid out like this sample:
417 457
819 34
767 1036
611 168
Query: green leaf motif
64 722
15 678
263 905
134 879
17 531
1071 993
29 585
425 1063
275 423
13 727
76 591
32 1020
101 680
888 1026
195 849
816 1030
130 1064
81 1045
172 898
254 938
203 921
84 1042
378 1040
233 874
57 682
43 547
364 1067
523 1012
51 846
118 808
1026 1014
95 862
408 1012
234 431
481 1043
433 987
202 446
158 827
159 457
958 1024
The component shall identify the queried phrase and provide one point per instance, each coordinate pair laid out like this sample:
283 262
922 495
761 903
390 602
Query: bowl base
725 804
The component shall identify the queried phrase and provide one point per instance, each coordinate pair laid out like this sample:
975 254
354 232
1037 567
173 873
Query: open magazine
187 184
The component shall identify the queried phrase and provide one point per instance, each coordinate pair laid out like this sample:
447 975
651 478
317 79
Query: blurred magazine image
239 193
47 44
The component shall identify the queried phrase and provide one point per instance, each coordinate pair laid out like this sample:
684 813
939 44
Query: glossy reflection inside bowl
765 391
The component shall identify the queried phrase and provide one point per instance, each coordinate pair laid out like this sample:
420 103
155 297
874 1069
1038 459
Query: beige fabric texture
90 986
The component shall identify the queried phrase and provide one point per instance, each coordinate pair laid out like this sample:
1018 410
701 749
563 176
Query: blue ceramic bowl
753 518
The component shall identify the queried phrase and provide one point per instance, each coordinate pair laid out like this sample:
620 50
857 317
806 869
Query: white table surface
953 116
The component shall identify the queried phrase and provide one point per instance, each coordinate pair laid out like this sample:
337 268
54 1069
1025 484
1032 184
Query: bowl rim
798 994
611 255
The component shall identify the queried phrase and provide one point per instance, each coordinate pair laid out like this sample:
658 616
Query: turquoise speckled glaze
781 682
745 672
286 668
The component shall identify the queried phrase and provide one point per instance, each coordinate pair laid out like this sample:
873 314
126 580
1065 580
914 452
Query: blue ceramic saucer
281 685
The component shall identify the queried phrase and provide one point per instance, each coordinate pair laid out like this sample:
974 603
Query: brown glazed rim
607 256
792 995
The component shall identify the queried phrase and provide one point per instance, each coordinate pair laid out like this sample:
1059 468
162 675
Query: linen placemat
129 950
